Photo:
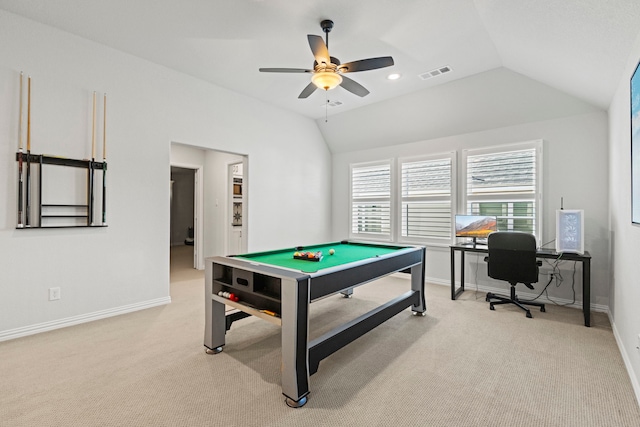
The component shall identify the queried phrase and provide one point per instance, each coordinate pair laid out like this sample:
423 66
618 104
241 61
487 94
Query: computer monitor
475 226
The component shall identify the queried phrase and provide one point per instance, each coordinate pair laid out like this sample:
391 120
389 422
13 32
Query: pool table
278 288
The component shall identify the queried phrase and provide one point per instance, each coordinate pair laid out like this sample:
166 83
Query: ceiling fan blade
354 87
284 70
319 49
307 91
366 64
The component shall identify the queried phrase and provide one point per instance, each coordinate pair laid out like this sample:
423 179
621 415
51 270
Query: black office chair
512 257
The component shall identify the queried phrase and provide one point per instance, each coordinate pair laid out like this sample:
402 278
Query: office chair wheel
491 307
542 309
529 315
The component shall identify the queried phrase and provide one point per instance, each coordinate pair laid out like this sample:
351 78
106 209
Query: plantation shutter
426 199
504 184
371 200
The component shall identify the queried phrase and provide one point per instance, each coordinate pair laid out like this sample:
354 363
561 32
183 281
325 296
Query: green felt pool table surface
344 253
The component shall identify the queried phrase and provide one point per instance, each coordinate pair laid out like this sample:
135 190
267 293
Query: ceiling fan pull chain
326 105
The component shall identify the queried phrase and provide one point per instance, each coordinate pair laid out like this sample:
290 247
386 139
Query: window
371 200
506 182
427 193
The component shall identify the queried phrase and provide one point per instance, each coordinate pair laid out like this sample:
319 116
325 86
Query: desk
585 259
278 288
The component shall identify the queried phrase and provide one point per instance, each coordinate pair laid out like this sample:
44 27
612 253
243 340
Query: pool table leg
215 324
295 338
417 284
347 293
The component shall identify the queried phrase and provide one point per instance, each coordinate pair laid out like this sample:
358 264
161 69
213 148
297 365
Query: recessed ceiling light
394 76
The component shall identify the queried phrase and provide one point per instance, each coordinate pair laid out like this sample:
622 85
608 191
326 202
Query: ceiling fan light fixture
326 80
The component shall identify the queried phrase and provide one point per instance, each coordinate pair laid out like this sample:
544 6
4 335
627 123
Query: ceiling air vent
332 104
434 73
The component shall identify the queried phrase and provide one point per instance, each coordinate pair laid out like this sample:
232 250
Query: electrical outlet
54 294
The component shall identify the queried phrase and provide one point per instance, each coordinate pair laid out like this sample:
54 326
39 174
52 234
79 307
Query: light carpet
461 365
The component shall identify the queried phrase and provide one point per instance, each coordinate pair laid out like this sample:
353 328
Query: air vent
332 104
434 73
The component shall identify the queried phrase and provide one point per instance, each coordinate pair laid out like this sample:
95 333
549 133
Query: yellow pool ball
331 251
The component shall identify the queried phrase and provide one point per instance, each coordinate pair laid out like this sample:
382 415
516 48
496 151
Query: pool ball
331 251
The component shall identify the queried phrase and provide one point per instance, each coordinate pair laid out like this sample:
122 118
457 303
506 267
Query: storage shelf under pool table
248 309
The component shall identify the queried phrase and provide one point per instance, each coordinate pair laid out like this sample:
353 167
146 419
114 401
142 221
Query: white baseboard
82 318
625 357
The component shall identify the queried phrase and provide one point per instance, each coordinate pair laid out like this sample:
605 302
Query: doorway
213 201
184 216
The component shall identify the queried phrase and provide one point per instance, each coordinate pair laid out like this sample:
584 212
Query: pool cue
28 195
93 159
93 129
104 161
20 183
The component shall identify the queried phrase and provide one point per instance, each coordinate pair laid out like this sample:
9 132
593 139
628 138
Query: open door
186 205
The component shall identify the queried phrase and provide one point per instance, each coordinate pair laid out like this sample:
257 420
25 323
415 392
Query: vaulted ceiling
532 53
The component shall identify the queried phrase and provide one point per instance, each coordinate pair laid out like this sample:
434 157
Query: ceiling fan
328 72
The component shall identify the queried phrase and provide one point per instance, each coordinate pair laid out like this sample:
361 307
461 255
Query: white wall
575 167
124 267
492 99
625 237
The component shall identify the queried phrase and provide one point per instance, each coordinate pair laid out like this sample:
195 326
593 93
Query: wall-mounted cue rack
78 208
49 215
